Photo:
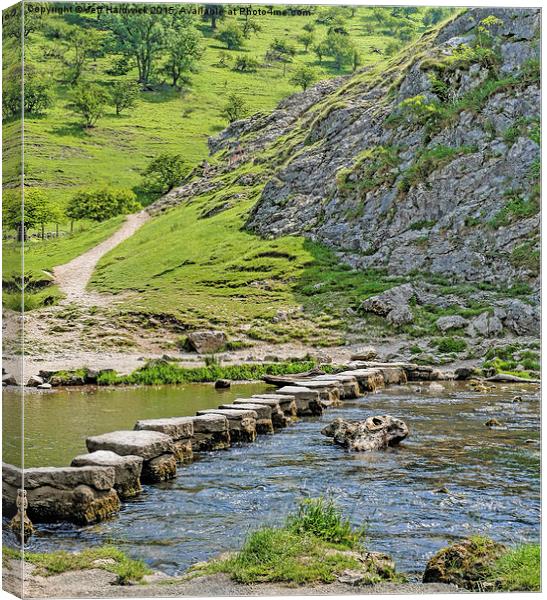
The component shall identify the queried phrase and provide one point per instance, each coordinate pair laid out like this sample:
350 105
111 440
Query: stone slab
146 444
177 428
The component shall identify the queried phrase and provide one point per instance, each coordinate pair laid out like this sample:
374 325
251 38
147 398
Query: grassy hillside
63 158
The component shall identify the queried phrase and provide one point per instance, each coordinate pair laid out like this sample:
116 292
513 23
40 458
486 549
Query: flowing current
491 475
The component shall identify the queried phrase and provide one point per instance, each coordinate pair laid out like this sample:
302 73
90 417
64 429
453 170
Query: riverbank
99 583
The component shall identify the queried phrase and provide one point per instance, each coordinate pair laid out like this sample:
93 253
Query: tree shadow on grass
70 129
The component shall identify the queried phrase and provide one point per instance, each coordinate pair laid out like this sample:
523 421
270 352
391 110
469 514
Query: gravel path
73 277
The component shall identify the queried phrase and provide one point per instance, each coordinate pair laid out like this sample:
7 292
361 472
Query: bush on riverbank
163 372
108 558
316 544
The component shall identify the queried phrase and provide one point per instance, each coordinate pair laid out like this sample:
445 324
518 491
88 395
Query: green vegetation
101 205
315 545
518 570
127 569
162 372
527 256
450 344
372 168
512 358
516 207
163 173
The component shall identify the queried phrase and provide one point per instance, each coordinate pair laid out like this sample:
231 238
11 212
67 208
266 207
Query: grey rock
146 444
8 379
486 325
374 433
450 322
207 342
365 353
35 381
44 386
401 315
175 427
382 304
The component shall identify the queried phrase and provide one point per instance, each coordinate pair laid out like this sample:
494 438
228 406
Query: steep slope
433 166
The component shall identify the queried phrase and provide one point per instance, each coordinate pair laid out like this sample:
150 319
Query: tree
22 216
139 36
246 64
37 97
236 108
164 173
214 13
232 35
321 50
251 26
184 49
80 45
306 39
124 95
101 204
281 51
303 77
357 60
340 48
89 100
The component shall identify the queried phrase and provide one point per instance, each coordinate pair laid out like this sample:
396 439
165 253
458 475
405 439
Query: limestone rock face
464 563
207 342
375 433
127 469
77 494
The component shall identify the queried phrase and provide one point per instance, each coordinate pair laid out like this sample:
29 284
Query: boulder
207 342
506 378
35 381
450 322
485 325
8 379
222 384
521 318
382 304
44 386
400 315
149 445
466 564
464 373
369 379
241 423
80 495
211 432
374 433
308 402
264 423
127 469
179 429
365 353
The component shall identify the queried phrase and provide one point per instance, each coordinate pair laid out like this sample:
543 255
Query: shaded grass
52 563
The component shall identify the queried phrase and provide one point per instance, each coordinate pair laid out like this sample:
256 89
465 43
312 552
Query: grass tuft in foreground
518 570
316 544
108 558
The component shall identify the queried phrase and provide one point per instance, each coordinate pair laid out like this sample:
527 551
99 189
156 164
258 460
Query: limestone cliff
429 163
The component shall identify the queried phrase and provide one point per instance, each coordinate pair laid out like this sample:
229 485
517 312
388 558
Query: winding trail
73 277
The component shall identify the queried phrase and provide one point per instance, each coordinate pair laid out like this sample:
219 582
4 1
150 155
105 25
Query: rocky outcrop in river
374 433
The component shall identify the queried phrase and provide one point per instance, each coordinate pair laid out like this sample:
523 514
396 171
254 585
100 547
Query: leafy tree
184 49
139 36
251 26
36 210
281 51
80 45
37 97
231 35
123 95
11 23
309 27
303 77
236 108
321 50
213 13
340 48
101 204
89 100
246 64
357 60
164 173
306 39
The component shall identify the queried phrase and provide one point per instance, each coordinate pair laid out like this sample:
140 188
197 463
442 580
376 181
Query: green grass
451 344
519 570
302 551
162 372
52 563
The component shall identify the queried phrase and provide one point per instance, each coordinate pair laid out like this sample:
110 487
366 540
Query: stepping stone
211 432
179 429
263 412
350 385
369 379
287 403
241 423
155 448
308 402
279 419
80 495
329 391
127 469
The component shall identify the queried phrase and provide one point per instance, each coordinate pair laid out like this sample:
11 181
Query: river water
492 475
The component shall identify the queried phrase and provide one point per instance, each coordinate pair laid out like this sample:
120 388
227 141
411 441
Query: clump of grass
518 570
52 563
315 545
450 344
321 518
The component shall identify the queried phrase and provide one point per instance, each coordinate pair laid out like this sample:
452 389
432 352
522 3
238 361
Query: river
492 475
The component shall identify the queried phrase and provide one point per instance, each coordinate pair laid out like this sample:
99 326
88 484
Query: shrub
89 101
450 344
124 95
245 64
102 204
164 173
303 77
232 35
236 108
